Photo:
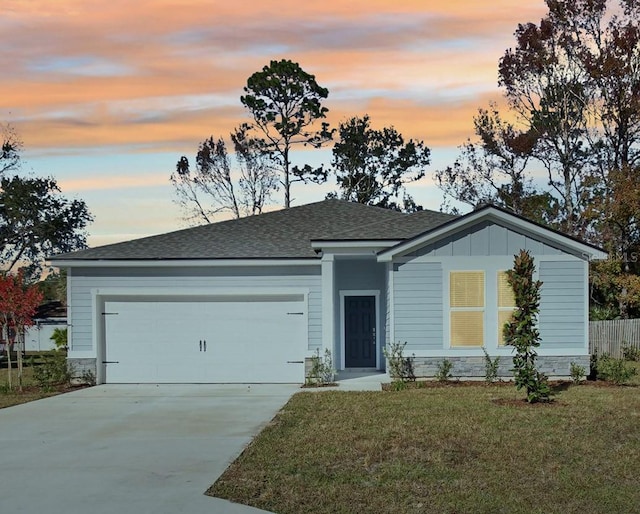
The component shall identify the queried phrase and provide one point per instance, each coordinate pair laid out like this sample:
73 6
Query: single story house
252 299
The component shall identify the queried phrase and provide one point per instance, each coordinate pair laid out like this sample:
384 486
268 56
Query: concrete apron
130 448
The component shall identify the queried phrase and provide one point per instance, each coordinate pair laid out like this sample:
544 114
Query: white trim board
178 263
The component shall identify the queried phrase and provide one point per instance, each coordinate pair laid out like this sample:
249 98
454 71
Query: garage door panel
246 341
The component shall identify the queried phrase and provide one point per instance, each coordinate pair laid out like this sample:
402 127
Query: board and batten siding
247 280
417 305
485 239
562 318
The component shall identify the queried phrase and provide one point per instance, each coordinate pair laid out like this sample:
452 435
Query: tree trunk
287 182
20 346
5 336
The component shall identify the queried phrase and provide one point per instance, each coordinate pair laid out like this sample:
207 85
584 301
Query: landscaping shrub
59 338
444 370
54 370
577 373
400 367
630 353
613 370
322 371
490 367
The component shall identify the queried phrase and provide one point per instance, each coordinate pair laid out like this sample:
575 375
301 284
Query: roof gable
504 218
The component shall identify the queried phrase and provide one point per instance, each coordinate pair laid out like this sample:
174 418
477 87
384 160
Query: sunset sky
107 95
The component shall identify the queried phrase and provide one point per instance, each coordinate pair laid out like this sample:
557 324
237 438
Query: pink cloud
72 68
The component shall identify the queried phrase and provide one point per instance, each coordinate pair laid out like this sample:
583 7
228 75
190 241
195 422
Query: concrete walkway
130 448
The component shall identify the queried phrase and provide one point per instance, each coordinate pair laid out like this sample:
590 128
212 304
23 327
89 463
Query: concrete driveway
129 448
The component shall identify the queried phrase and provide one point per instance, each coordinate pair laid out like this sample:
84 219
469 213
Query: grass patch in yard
30 390
445 450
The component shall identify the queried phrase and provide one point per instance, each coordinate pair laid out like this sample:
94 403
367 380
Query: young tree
285 102
211 187
372 166
522 332
18 304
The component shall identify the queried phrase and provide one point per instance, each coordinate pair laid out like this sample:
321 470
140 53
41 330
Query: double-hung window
467 308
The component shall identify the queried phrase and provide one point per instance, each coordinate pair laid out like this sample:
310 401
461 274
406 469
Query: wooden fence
612 335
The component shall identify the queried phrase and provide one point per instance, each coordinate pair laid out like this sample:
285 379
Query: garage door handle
110 362
200 344
295 362
205 345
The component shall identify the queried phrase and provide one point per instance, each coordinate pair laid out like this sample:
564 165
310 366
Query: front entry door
360 331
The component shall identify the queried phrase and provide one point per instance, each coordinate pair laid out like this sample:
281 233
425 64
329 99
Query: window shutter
506 304
466 301
467 328
504 316
466 289
505 292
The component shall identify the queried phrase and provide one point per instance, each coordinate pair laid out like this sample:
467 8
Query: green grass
447 450
30 390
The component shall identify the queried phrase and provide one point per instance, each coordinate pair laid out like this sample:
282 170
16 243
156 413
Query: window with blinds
506 304
467 307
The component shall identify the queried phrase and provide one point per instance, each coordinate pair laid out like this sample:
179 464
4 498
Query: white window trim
490 265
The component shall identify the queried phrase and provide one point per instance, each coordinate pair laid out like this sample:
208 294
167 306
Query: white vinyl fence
612 335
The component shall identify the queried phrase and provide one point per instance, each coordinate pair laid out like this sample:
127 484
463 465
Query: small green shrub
630 353
399 385
613 370
87 377
400 367
444 370
322 371
59 337
54 370
577 373
490 367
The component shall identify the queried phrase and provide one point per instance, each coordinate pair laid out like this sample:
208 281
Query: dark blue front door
360 331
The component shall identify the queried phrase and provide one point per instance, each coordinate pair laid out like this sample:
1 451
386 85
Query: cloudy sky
107 95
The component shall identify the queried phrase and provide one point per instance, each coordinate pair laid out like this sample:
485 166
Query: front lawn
449 449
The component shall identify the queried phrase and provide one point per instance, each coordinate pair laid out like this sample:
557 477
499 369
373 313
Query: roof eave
174 263
321 244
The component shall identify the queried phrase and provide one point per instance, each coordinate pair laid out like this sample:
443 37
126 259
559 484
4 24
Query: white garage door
241 339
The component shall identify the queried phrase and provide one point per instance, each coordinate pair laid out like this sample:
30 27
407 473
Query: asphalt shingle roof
284 234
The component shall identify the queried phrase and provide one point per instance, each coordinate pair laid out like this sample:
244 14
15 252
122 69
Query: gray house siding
562 304
420 300
250 279
417 290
